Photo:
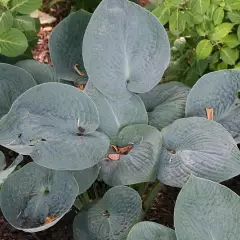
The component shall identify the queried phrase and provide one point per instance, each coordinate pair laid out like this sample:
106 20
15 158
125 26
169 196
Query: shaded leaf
199 6
34 193
217 90
25 6
222 66
177 22
13 43
85 178
65 46
24 23
165 103
2 161
114 115
140 163
136 52
234 16
44 123
41 72
111 217
218 15
13 82
228 55
208 210
221 31
151 231
238 32
204 49
6 21
6 172
197 146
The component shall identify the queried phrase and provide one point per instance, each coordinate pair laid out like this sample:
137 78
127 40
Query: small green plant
18 31
205 36
124 131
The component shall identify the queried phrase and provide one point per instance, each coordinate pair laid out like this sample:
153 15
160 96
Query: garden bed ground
163 207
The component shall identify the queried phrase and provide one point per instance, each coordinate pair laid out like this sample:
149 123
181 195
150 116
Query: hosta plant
18 30
102 132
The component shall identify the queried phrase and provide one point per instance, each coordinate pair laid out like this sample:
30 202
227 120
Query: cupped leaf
151 231
55 124
125 49
165 103
25 6
197 146
24 23
65 46
41 72
34 194
6 21
114 115
6 172
217 90
85 178
206 210
140 163
110 218
204 49
13 43
13 82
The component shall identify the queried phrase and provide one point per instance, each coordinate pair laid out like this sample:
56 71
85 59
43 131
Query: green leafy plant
107 149
18 31
204 36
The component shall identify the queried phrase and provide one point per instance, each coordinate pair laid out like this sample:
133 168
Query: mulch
163 207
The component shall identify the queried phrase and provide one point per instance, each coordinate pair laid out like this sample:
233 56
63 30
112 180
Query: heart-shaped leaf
141 162
125 49
55 124
114 115
165 103
41 72
217 90
198 146
151 231
65 46
206 210
6 172
13 82
85 178
35 198
110 218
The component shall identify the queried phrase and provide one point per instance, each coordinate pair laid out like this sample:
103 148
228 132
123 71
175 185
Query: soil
163 207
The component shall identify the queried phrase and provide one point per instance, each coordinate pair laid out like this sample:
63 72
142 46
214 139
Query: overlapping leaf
13 82
165 103
41 72
34 193
110 218
125 49
85 178
114 115
217 90
151 231
55 124
140 163
206 210
197 146
4 173
66 47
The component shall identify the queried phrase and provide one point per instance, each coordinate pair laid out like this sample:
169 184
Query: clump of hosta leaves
18 30
101 114
200 30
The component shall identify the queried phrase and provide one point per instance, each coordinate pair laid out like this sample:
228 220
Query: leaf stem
86 198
